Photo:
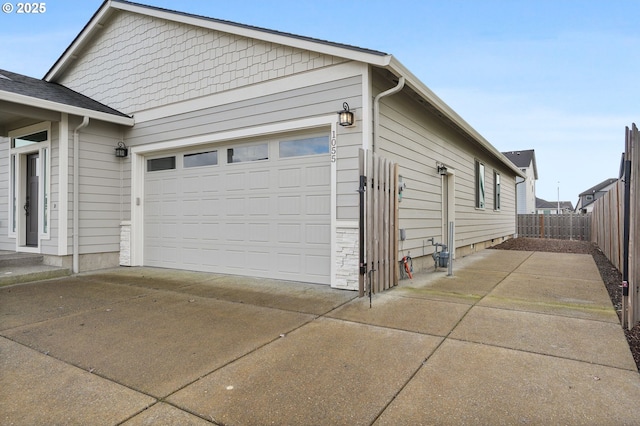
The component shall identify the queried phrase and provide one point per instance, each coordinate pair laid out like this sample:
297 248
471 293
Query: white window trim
480 174
14 155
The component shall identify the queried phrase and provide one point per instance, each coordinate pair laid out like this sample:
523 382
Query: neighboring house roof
24 90
599 187
368 56
544 204
523 159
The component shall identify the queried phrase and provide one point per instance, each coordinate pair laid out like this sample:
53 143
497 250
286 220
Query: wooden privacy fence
378 223
608 224
616 226
569 226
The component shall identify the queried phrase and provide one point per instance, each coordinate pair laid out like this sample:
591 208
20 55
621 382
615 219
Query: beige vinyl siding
312 101
416 138
5 242
147 62
104 202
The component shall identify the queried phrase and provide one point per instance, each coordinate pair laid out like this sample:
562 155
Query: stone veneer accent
347 258
125 243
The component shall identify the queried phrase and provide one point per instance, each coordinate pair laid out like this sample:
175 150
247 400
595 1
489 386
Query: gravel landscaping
611 277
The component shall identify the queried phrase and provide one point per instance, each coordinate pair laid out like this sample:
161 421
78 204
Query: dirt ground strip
611 277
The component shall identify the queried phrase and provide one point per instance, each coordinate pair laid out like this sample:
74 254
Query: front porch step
25 267
25 274
12 258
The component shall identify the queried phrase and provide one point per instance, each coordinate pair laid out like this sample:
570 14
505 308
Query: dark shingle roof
544 204
265 30
28 86
599 186
520 158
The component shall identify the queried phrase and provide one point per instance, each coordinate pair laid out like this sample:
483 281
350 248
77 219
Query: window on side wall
496 190
480 193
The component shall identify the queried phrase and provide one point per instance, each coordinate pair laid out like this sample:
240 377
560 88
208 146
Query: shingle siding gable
139 62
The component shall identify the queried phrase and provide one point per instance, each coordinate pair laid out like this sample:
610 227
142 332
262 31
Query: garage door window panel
200 159
159 164
303 147
243 154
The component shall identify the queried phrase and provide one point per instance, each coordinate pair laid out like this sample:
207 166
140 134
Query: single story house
553 207
167 139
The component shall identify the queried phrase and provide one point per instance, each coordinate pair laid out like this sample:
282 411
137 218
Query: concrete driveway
512 338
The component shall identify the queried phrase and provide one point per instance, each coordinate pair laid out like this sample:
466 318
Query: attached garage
259 208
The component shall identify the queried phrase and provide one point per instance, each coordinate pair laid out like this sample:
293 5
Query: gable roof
523 159
368 56
544 204
599 187
24 90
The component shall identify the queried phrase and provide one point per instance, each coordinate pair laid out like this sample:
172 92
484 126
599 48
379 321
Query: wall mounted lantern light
345 116
442 169
121 150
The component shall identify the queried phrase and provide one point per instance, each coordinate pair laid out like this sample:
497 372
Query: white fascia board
85 35
419 87
64 108
296 81
273 37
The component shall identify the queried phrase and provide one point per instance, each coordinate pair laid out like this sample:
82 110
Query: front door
31 201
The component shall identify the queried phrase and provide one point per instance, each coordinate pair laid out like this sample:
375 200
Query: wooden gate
379 269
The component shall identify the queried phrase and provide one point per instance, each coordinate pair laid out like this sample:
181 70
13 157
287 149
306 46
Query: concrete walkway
512 338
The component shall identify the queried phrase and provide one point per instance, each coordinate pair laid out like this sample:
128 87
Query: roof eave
94 24
64 108
419 87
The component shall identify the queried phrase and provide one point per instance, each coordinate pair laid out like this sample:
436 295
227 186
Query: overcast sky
561 77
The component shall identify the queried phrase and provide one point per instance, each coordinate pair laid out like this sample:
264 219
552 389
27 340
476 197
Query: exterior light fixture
442 169
345 116
121 150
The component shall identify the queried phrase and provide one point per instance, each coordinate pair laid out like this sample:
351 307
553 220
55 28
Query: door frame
18 174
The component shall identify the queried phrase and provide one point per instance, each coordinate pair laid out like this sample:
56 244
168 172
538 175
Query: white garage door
258 209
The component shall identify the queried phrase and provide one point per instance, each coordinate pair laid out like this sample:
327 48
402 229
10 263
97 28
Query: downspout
376 110
76 190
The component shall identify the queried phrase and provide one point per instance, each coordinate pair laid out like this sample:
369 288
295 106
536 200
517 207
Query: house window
480 194
307 146
30 139
496 190
200 159
158 164
248 153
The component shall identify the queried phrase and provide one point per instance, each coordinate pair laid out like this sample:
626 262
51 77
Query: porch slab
404 313
159 343
467 383
587 340
32 383
327 372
